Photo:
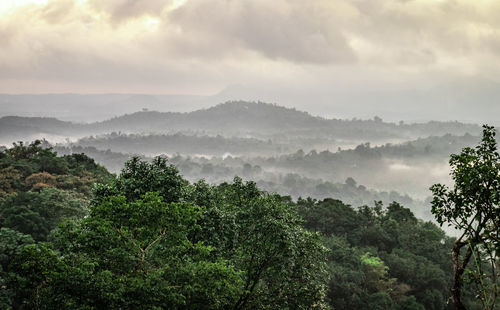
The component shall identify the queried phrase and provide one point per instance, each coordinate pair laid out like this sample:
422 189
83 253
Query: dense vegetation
148 238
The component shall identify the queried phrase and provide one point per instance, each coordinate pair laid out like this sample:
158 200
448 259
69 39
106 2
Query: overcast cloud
202 46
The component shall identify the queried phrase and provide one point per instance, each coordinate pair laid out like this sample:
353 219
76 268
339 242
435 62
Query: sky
204 46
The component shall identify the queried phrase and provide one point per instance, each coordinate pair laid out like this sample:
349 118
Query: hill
264 118
243 119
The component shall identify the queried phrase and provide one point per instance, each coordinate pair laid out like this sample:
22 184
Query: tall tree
472 207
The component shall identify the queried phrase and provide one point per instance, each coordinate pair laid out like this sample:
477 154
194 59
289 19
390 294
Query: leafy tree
139 177
36 166
410 303
472 207
376 273
282 264
10 180
11 245
410 257
37 213
329 216
345 288
36 181
37 156
152 240
128 255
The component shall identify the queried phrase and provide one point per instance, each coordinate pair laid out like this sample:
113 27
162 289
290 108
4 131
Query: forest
281 149
74 235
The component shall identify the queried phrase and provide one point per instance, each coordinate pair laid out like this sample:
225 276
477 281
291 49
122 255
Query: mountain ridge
236 118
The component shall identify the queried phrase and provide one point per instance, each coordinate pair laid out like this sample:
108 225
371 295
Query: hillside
13 128
235 119
257 117
238 116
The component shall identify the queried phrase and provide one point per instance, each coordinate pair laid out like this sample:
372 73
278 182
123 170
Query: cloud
121 10
279 30
56 11
201 44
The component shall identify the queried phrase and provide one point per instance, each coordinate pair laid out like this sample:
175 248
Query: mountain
469 99
237 119
240 117
236 115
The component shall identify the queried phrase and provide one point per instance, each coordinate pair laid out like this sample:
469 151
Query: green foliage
36 166
129 255
265 239
152 240
139 177
380 258
472 207
329 216
38 190
37 213
11 245
148 239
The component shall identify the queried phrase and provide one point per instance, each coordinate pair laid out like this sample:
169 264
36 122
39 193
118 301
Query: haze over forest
221 154
282 149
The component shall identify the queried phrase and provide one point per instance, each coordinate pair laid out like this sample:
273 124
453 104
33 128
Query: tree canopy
149 239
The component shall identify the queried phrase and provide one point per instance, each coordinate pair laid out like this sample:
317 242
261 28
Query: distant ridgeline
234 119
74 236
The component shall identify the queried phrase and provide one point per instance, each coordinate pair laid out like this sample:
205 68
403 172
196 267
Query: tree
283 264
37 166
139 177
127 255
11 244
152 240
472 207
37 213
